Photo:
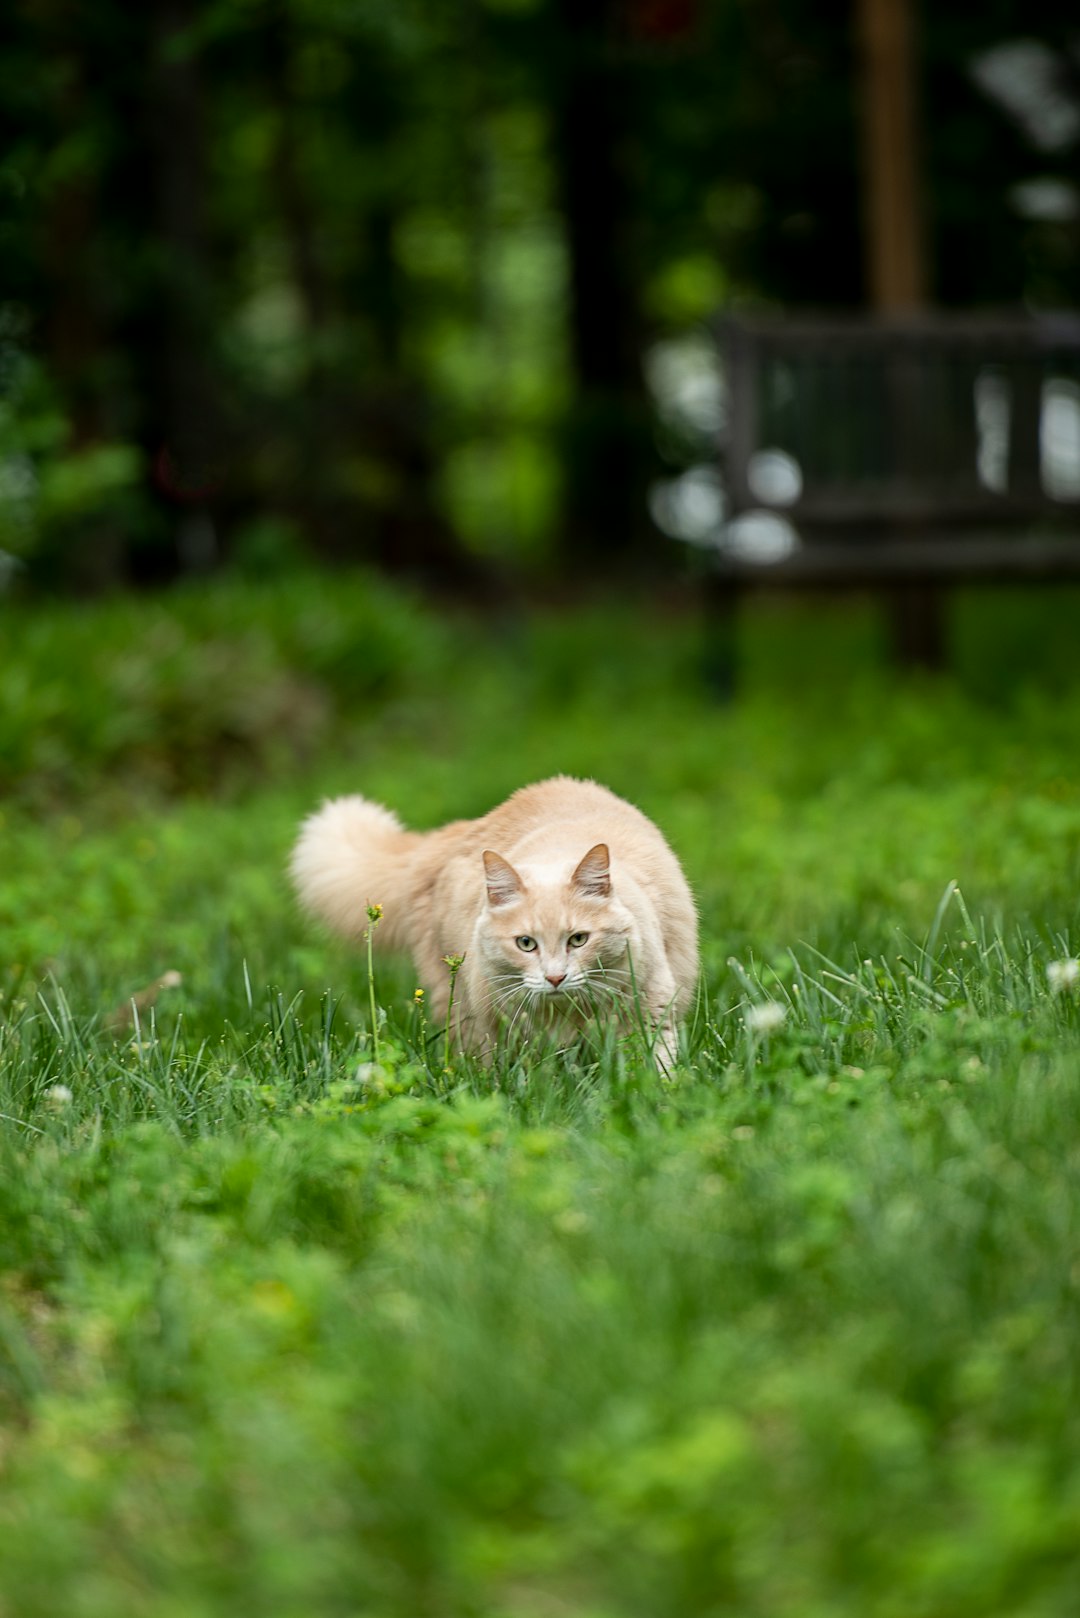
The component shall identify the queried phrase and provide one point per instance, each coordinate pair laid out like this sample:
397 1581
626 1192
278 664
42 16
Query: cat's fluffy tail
352 853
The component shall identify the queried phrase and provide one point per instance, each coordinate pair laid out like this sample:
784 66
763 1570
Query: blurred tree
182 426
607 455
1001 91
893 211
382 280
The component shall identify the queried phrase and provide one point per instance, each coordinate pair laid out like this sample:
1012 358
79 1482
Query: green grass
792 1334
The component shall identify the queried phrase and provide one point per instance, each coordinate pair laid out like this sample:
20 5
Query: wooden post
895 250
892 216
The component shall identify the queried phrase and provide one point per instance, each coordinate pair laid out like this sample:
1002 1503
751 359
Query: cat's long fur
559 860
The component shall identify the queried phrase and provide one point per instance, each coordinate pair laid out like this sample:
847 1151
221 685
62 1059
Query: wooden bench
902 456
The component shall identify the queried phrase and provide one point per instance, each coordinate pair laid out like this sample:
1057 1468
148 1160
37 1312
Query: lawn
789 1335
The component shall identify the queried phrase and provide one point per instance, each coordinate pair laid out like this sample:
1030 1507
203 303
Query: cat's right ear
503 883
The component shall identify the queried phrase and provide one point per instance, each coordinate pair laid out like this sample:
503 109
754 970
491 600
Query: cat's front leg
661 1006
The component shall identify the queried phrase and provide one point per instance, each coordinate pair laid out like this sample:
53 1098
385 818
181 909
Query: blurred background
431 285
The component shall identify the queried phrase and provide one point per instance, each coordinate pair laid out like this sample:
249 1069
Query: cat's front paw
666 1049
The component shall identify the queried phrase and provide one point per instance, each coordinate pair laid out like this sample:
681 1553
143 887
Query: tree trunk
185 419
892 206
389 406
895 256
326 527
90 557
608 442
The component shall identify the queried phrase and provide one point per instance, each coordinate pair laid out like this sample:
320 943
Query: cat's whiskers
504 996
514 978
505 986
517 1014
613 984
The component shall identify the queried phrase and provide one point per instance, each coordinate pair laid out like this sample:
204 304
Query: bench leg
722 599
917 626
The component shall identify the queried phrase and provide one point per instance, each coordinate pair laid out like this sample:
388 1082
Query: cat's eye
526 943
577 939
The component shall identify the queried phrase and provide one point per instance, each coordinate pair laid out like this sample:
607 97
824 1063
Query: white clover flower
766 1018
58 1095
1062 975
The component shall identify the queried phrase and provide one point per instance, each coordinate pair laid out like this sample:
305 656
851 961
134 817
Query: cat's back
564 815
559 801
555 822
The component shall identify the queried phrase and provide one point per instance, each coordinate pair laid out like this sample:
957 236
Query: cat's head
552 934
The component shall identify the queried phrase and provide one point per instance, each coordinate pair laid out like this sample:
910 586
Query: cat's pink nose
555 978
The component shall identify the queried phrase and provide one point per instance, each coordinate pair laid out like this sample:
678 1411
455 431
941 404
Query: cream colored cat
563 900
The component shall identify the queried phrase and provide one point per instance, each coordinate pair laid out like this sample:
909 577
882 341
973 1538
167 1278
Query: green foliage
287 1328
79 485
199 689
47 487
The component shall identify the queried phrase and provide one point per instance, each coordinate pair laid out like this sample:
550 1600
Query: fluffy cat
562 900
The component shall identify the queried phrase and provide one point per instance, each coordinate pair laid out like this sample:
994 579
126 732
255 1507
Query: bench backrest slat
937 419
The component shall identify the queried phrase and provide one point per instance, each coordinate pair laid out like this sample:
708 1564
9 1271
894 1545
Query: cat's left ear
593 876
